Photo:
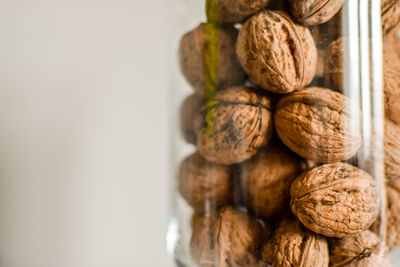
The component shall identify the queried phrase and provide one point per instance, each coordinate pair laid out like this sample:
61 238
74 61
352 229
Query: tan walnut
189 108
193 55
335 200
390 14
204 185
277 53
318 124
231 128
392 151
266 180
311 12
294 245
228 238
391 73
233 10
361 250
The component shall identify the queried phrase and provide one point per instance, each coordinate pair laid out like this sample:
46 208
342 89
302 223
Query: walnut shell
392 151
266 180
390 14
293 245
362 250
335 200
311 12
230 238
204 185
335 60
195 50
232 10
277 53
317 124
234 126
190 107
392 82
393 217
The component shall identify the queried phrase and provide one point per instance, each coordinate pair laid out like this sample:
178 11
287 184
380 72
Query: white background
84 132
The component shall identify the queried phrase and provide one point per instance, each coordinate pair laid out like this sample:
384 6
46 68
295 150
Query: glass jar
285 133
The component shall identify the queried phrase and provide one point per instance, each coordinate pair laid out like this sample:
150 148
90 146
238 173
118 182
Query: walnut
232 10
319 125
390 14
391 82
277 53
266 180
234 126
189 108
393 216
362 250
229 238
205 186
293 245
198 62
392 151
310 12
335 61
335 200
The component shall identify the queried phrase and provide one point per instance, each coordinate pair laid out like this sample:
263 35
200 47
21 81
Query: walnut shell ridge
234 126
229 238
335 200
311 12
390 14
362 250
204 185
266 180
193 52
317 124
293 245
233 10
276 52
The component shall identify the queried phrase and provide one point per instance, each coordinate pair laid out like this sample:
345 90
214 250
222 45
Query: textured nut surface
390 14
277 53
392 151
205 186
310 12
335 61
266 180
235 126
393 217
335 200
192 57
233 10
189 108
293 245
231 238
317 124
392 81
362 250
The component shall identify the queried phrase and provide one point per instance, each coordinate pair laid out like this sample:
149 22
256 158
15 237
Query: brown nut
196 63
311 12
390 14
230 238
335 200
393 216
392 82
392 151
234 126
205 186
232 10
317 124
362 250
277 53
266 180
293 245
190 107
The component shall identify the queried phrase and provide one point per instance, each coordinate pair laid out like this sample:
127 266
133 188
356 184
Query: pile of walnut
275 180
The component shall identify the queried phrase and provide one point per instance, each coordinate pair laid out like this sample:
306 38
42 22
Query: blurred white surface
83 133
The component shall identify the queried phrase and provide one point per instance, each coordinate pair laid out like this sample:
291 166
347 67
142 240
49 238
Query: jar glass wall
285 138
